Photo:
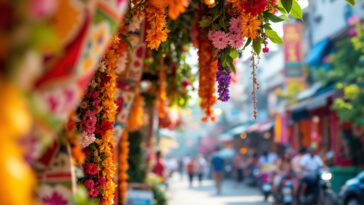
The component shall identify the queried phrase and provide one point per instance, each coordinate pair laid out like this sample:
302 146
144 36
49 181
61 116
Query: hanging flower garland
157 31
97 114
162 92
123 166
207 73
136 116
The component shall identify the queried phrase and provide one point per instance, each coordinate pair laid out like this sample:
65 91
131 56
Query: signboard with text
293 50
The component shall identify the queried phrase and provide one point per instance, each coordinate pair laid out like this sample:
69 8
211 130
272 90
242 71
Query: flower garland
97 113
207 73
123 166
223 77
162 92
157 31
136 116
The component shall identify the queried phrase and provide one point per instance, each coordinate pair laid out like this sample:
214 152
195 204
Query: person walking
200 167
191 171
239 168
218 163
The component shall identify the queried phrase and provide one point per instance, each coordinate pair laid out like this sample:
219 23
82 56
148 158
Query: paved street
181 194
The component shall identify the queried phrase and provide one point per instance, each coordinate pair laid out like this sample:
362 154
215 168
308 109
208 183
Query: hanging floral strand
97 112
162 92
223 78
254 66
123 166
207 76
157 31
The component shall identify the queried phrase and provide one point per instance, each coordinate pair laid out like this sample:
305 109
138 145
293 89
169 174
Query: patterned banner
85 34
128 84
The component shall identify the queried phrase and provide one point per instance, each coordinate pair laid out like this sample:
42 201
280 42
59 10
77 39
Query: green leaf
296 10
233 53
257 45
231 65
248 42
351 2
273 36
273 17
287 4
267 26
280 8
205 22
284 17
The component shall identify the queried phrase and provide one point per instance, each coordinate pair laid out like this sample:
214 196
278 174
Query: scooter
265 182
285 193
319 191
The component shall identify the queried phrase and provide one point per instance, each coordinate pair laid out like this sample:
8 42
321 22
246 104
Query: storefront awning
314 102
316 54
261 126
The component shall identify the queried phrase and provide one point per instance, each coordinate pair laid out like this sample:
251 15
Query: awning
261 126
237 130
314 102
316 54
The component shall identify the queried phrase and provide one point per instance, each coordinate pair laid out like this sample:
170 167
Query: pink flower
55 199
236 40
89 126
93 193
352 32
266 50
219 39
91 168
235 25
87 139
89 183
42 8
354 19
96 102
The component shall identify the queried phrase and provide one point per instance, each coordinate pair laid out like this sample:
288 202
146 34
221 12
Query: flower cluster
123 166
136 116
97 112
250 26
223 78
157 31
221 40
162 92
207 69
254 7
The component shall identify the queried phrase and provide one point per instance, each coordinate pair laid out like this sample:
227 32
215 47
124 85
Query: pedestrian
218 164
159 168
239 168
296 162
181 167
200 167
191 171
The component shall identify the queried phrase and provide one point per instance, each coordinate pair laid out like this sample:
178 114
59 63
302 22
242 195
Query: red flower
91 168
89 183
93 193
254 7
101 182
104 127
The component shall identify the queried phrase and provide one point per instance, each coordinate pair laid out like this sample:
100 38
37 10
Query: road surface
181 194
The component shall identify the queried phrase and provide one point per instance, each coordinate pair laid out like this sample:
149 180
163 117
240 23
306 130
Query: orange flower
123 166
207 70
176 7
250 26
136 116
157 31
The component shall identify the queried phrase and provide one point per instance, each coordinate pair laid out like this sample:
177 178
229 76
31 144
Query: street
181 194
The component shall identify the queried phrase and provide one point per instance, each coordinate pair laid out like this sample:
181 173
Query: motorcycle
285 193
318 191
265 180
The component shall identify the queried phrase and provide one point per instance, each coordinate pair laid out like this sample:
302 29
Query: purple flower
55 199
223 78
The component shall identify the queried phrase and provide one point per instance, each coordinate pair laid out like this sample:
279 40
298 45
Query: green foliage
160 197
273 36
351 2
137 165
347 72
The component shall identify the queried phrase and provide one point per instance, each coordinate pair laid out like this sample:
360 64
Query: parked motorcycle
319 191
